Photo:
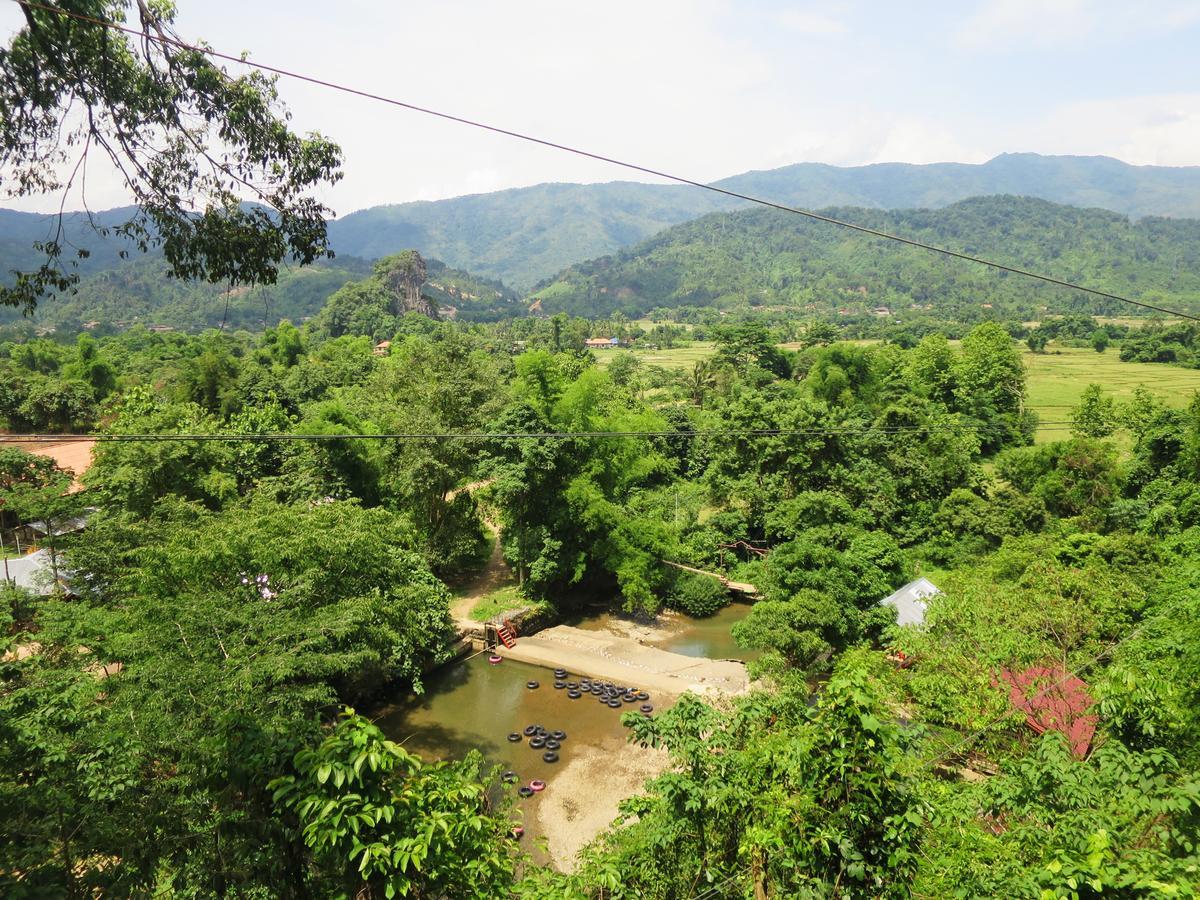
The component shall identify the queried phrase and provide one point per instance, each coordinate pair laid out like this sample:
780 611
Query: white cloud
811 22
1161 130
1003 24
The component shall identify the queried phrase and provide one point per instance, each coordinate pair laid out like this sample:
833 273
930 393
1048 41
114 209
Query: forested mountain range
527 234
524 235
138 291
762 257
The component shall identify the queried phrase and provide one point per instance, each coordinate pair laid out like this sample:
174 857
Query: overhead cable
102 437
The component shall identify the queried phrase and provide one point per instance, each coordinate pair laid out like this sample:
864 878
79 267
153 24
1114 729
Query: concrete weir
624 661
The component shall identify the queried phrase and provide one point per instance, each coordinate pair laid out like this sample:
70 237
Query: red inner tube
537 785
495 660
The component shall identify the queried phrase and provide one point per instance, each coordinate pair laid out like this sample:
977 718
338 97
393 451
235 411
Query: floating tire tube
532 685
559 685
537 785
615 704
538 729
560 673
509 777
646 708
525 791
552 744
558 735
518 832
530 730
643 696
549 756
573 685
495 659
537 742
574 695
514 736
630 698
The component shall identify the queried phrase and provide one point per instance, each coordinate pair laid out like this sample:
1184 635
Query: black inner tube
615 704
550 756
559 685
509 777
559 735
537 742
552 744
646 707
574 695
630 698
642 695
514 736
531 685
525 791
529 730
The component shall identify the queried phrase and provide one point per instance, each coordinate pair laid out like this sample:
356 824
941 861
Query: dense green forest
181 722
770 259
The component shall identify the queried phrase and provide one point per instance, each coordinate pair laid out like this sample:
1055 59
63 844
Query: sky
707 88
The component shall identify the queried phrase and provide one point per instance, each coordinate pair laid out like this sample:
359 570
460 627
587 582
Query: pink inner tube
495 660
537 785
518 831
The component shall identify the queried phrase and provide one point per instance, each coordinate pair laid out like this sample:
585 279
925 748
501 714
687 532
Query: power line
646 170
100 437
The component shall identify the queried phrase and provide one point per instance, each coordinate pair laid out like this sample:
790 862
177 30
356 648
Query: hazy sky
710 88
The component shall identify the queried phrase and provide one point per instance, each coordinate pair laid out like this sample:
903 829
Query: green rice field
1056 378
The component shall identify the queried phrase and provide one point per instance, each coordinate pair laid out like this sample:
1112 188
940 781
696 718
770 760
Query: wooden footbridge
736 587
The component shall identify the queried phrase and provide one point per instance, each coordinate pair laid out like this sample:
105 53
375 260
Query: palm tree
701 381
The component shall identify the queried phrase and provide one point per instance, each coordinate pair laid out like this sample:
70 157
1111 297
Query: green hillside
138 291
766 258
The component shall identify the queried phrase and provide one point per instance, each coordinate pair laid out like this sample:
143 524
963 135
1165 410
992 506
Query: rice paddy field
1056 378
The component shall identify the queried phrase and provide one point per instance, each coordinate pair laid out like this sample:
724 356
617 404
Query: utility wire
646 170
521 435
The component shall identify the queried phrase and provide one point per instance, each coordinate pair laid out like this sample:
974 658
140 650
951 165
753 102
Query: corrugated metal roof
910 601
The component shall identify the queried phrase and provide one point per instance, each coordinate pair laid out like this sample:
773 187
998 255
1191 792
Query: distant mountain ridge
525 235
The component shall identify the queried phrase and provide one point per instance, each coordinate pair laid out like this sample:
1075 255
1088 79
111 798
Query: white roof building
910 601
32 572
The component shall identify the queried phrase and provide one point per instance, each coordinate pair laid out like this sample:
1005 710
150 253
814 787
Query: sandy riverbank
581 801
623 660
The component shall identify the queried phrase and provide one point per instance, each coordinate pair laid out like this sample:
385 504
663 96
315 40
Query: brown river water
474 705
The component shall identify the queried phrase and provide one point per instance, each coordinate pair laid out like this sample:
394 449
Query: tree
221 183
380 822
821 593
990 385
1100 340
1096 415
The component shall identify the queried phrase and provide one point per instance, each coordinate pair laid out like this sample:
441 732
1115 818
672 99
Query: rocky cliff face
405 276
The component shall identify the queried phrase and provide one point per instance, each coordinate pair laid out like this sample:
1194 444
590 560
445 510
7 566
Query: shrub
698 595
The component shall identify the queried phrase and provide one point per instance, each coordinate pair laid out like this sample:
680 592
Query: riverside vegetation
215 759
